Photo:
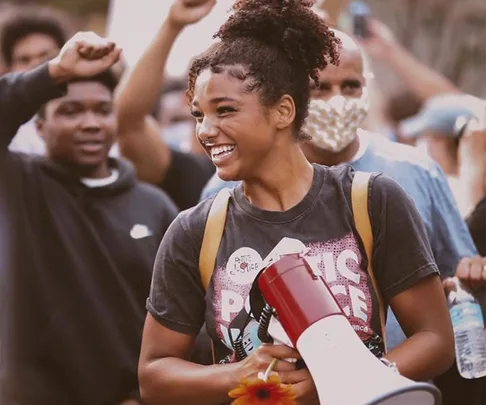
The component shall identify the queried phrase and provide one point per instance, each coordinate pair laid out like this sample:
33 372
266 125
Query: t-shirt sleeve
177 298
402 255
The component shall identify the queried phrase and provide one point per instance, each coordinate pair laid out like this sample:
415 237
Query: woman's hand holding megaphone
260 359
301 380
302 385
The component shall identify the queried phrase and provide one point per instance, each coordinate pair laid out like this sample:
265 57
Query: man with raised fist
85 235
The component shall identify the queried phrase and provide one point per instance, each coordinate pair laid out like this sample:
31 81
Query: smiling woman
249 94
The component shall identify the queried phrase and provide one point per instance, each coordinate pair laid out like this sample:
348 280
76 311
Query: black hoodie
82 272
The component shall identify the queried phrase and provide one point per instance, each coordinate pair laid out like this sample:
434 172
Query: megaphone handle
265 318
240 352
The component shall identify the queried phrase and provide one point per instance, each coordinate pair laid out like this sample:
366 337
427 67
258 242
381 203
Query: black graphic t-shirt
323 222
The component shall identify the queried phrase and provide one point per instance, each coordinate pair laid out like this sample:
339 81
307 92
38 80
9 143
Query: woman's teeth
220 151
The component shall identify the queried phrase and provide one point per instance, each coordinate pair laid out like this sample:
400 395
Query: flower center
262 393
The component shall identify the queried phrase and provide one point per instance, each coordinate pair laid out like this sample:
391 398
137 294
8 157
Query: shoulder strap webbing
359 199
213 234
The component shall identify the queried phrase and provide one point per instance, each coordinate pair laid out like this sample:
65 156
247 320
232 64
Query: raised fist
185 12
381 41
84 55
471 271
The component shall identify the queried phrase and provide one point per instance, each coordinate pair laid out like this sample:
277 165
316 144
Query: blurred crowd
96 174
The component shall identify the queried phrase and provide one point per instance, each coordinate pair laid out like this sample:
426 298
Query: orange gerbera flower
261 392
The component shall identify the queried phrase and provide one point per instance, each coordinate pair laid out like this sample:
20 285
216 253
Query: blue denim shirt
426 184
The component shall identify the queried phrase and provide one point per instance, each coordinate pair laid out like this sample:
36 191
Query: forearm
472 169
21 95
173 381
423 356
140 89
423 81
145 148
473 183
139 135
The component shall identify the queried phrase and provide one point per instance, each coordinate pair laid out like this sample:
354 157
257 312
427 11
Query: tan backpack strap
359 199
213 234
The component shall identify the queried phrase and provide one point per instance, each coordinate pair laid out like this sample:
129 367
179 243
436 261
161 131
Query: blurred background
447 35
424 60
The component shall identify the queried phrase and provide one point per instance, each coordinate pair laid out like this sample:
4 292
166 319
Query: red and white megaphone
344 371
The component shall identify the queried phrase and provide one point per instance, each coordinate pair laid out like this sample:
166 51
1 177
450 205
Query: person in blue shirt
337 108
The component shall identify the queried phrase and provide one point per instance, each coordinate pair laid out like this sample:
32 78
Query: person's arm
470 271
423 315
21 95
422 80
472 162
448 233
177 306
167 377
409 281
476 223
140 137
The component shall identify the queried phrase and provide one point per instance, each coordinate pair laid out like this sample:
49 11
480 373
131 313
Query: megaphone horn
344 371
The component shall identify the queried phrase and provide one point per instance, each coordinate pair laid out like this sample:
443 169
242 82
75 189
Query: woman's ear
285 112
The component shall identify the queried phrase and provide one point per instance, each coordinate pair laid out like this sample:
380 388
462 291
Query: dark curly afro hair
27 20
275 46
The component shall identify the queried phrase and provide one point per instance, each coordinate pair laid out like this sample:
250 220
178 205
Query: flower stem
269 369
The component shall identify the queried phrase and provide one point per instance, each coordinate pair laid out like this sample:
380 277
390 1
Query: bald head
347 78
349 49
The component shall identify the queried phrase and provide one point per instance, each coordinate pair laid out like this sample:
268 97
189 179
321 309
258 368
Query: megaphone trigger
278 334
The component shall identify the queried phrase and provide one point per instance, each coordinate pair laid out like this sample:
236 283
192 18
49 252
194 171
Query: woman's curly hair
273 45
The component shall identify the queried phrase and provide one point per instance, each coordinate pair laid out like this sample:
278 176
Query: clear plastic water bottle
468 323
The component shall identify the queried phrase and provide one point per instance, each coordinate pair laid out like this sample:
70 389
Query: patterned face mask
333 124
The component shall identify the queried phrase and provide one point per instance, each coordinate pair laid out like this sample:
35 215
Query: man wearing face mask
337 109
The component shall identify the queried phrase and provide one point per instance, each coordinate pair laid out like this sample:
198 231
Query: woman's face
235 130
